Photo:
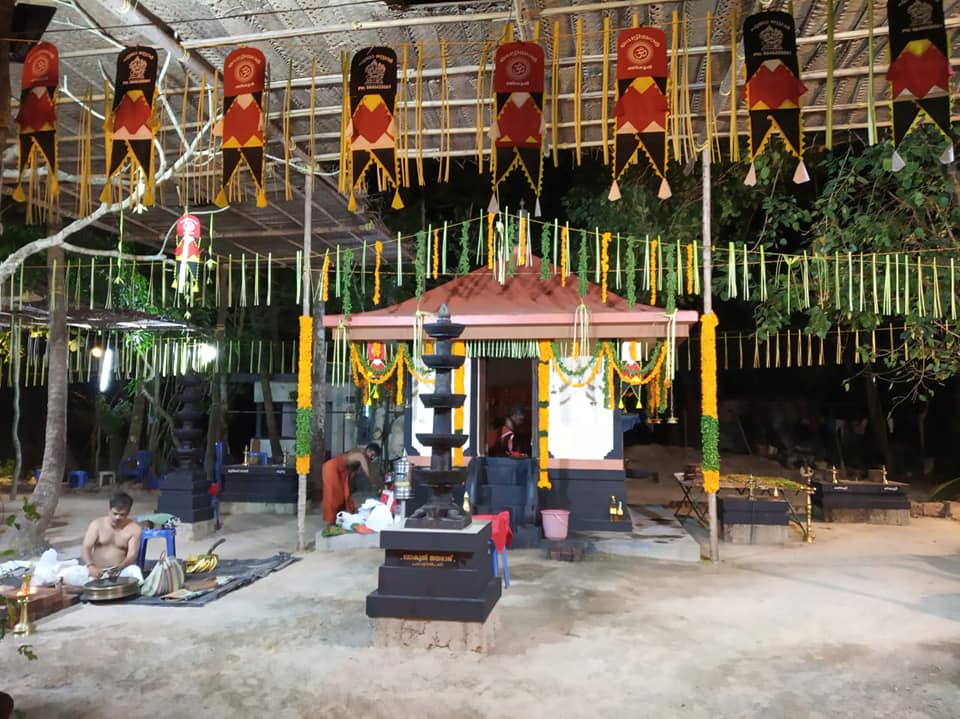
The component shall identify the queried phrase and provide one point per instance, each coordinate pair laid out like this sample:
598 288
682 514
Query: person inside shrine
508 444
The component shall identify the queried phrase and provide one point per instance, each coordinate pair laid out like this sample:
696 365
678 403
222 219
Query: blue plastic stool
77 479
503 563
147 534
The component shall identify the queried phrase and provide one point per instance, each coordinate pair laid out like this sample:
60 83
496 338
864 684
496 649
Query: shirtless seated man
113 542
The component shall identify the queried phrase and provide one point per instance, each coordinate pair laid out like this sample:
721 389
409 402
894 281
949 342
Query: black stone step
188 481
185 499
862 501
450 609
433 582
870 488
186 514
592 524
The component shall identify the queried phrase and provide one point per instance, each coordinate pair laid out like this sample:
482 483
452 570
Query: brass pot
104 590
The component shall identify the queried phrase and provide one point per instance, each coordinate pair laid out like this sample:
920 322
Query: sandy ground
865 622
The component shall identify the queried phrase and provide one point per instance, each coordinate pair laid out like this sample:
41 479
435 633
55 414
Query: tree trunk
877 418
28 540
15 429
216 428
135 433
273 432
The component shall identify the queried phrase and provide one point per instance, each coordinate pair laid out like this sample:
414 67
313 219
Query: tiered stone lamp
441 511
436 586
183 491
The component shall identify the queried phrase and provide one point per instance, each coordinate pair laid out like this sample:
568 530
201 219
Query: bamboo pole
707 308
305 310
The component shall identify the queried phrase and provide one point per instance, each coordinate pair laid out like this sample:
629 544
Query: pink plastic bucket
555 523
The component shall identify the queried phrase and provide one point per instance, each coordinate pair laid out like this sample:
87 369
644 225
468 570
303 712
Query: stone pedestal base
755 533
867 516
429 634
193 531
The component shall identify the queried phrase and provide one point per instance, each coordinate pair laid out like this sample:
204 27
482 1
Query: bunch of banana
200 563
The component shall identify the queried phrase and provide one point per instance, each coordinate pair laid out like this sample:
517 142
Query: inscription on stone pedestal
441 560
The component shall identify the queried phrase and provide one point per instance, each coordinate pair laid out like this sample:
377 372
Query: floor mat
241 571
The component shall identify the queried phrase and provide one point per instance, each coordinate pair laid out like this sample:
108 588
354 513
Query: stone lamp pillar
440 511
184 491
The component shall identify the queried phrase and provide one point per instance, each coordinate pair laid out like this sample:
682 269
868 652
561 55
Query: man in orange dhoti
336 479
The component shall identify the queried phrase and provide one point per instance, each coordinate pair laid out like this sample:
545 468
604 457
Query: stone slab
193 531
258 508
932 509
351 540
898 517
669 549
479 637
755 533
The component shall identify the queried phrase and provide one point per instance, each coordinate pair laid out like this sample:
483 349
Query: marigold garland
522 243
653 272
459 374
543 414
325 276
690 268
604 264
709 418
304 400
378 246
490 218
564 250
436 253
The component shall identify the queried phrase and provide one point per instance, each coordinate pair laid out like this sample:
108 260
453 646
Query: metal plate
103 590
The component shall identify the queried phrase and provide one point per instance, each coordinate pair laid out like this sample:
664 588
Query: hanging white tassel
896 162
536 207
801 175
947 157
664 193
494 206
751 178
614 193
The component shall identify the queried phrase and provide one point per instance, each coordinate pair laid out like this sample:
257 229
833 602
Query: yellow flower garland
490 217
564 249
653 272
689 268
543 414
378 246
304 391
709 419
459 375
522 250
604 265
325 277
436 253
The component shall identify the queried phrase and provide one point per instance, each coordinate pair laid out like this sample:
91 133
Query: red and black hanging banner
372 129
244 76
37 117
641 109
518 125
131 126
919 71
773 87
